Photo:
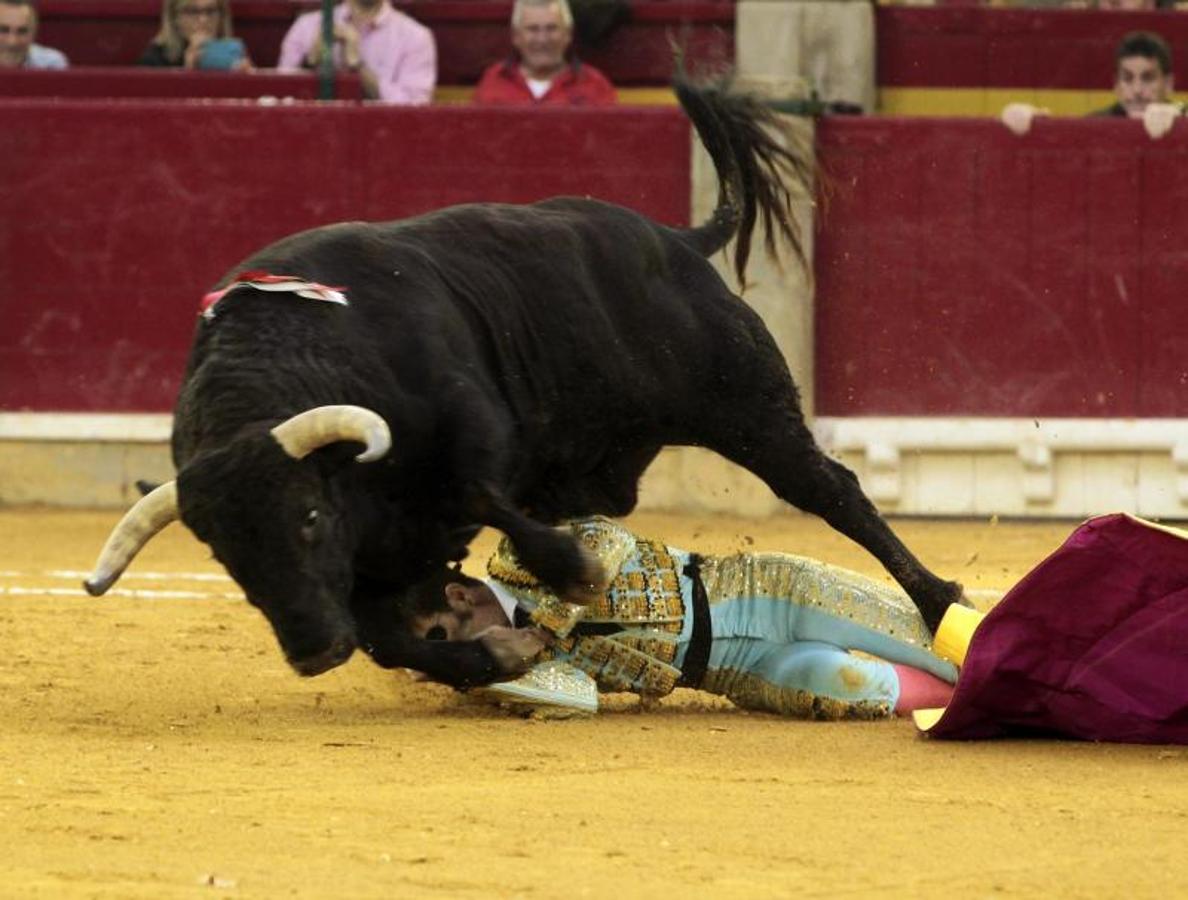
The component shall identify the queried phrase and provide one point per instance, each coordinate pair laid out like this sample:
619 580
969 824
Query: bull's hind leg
785 455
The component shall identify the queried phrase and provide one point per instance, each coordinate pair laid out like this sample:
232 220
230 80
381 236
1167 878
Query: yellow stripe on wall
632 96
987 101
960 102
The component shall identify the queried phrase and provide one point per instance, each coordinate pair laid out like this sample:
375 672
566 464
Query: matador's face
468 611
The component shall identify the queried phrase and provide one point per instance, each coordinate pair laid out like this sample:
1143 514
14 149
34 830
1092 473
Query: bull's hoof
933 607
591 583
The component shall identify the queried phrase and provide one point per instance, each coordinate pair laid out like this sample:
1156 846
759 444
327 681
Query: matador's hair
428 596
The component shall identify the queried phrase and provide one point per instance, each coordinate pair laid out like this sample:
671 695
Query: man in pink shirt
540 74
396 57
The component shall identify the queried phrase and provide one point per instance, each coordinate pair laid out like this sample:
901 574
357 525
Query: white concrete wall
80 460
1061 468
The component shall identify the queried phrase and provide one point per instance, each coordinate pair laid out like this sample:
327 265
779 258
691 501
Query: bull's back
562 303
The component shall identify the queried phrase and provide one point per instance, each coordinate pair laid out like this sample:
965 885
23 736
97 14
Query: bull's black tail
758 172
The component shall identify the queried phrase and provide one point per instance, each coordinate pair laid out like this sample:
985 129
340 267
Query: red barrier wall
991 47
123 81
964 271
118 216
470 34
960 270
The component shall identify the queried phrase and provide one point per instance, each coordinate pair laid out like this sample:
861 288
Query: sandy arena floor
159 747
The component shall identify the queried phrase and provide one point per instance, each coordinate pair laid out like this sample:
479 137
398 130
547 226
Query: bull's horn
306 432
151 513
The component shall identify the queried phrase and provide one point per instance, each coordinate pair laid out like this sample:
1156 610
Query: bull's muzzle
334 655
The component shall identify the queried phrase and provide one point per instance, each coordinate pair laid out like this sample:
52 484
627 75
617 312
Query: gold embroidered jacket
644 600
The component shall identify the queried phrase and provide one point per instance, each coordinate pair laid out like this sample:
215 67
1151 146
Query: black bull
528 362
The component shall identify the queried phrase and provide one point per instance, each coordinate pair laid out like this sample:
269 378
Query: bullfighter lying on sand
769 631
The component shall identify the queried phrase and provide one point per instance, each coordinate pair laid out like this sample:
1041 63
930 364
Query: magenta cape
1092 644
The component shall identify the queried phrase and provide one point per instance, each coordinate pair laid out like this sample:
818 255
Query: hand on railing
1158 118
1017 116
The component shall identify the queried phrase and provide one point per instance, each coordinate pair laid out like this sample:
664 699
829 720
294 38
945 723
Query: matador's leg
808 680
788 599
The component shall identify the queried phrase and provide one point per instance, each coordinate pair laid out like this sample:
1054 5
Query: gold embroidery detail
556 615
648 594
612 544
505 566
811 583
645 599
627 661
749 691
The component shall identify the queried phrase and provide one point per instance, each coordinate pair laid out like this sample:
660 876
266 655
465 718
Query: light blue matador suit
774 636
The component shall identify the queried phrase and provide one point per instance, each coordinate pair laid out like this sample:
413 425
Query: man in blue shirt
18 28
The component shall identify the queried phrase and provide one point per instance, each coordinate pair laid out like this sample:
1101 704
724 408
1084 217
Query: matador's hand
514 649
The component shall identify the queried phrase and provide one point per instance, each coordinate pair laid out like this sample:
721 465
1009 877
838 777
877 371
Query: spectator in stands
395 56
541 72
195 34
1143 83
18 28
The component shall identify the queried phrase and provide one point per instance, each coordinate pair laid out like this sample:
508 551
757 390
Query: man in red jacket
539 72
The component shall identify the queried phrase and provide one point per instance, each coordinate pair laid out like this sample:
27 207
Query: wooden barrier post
829 44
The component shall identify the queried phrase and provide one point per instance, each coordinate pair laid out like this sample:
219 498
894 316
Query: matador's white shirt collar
506 600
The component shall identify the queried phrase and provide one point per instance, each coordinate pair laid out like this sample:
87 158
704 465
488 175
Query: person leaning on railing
196 34
1143 84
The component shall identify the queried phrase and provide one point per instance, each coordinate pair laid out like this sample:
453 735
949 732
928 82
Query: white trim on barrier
125 428
882 442
969 433
928 465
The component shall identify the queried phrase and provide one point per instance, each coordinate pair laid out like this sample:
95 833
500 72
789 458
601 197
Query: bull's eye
436 633
309 527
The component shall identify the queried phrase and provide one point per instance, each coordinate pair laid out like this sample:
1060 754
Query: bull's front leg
555 557
382 633
460 664
495 654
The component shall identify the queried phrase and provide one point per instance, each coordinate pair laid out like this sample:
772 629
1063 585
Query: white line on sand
155 576
135 593
982 597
